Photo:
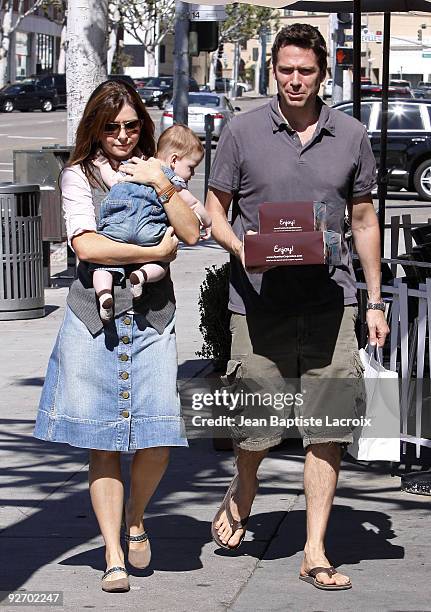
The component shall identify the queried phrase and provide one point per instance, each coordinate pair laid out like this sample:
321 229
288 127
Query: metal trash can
21 278
43 166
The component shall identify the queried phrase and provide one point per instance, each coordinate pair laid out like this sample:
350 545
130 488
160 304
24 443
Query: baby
132 213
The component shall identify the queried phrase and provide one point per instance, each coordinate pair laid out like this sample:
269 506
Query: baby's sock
149 273
106 306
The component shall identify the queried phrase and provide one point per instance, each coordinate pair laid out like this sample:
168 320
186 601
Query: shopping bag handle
374 351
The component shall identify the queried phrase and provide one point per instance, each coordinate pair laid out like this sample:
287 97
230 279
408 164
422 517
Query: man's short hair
179 139
305 36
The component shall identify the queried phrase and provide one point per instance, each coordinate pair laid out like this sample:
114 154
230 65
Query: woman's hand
168 246
148 172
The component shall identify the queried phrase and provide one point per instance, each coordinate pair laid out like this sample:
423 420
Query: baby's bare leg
102 283
148 273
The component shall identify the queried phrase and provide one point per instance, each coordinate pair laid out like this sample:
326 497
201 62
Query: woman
113 388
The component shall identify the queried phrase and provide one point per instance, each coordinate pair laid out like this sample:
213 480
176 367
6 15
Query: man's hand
205 232
168 246
241 257
378 329
148 172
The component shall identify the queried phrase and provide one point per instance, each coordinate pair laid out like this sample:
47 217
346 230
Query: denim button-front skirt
116 391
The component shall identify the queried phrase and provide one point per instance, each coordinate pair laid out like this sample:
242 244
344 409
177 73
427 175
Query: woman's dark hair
305 36
103 106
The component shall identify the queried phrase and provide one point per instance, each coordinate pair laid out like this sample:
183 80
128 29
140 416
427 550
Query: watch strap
166 193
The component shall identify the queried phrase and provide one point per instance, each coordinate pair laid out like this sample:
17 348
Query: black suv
409 141
53 81
28 95
159 90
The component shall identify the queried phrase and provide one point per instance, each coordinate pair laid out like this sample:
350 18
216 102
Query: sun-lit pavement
50 540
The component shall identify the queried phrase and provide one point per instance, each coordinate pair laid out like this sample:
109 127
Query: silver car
201 104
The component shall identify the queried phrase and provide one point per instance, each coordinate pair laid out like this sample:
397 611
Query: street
33 130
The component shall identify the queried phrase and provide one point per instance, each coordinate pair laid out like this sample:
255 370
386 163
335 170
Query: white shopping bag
379 441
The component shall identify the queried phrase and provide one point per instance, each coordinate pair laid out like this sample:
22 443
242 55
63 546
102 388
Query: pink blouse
78 205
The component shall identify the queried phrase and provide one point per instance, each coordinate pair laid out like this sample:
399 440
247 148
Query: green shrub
214 316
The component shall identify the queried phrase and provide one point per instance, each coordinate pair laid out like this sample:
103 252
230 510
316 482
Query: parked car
28 95
422 90
122 77
409 141
55 81
159 90
375 91
327 89
224 85
201 104
399 83
141 82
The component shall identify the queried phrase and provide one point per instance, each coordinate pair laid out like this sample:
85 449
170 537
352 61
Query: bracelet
376 306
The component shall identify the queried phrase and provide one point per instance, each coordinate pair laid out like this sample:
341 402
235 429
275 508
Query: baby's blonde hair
179 139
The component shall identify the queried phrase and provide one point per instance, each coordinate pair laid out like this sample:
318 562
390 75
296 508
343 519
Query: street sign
426 54
202 12
368 36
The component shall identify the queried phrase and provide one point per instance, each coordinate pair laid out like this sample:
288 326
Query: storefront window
22 53
45 53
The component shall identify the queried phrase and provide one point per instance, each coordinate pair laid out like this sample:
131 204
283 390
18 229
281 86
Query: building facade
35 45
410 56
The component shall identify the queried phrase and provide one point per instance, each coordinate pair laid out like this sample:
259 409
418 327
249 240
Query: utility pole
181 63
236 58
262 74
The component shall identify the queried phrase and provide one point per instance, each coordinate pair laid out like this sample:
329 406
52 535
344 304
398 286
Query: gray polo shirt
259 158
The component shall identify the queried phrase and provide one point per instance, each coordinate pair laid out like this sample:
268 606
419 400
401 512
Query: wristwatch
376 306
166 194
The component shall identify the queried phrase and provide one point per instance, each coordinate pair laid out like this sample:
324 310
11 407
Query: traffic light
420 35
345 19
220 51
203 36
344 57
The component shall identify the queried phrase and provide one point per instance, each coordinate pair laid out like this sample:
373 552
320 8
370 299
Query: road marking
6 164
52 121
10 171
34 137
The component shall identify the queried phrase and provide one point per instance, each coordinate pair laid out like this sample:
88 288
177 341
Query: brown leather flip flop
311 578
234 525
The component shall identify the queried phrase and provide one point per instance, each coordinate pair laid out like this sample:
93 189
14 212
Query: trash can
43 166
21 278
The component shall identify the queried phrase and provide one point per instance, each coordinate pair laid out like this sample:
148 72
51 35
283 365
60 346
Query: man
296 321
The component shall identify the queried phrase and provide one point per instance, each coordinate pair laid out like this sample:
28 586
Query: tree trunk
112 47
112 36
87 33
213 68
62 54
5 42
181 63
151 59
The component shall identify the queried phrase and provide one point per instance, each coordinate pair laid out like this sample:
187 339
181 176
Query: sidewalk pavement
50 541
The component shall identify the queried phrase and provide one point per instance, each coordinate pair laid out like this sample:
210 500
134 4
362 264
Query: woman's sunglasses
130 127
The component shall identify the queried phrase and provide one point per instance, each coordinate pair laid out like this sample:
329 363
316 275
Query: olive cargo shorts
313 360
